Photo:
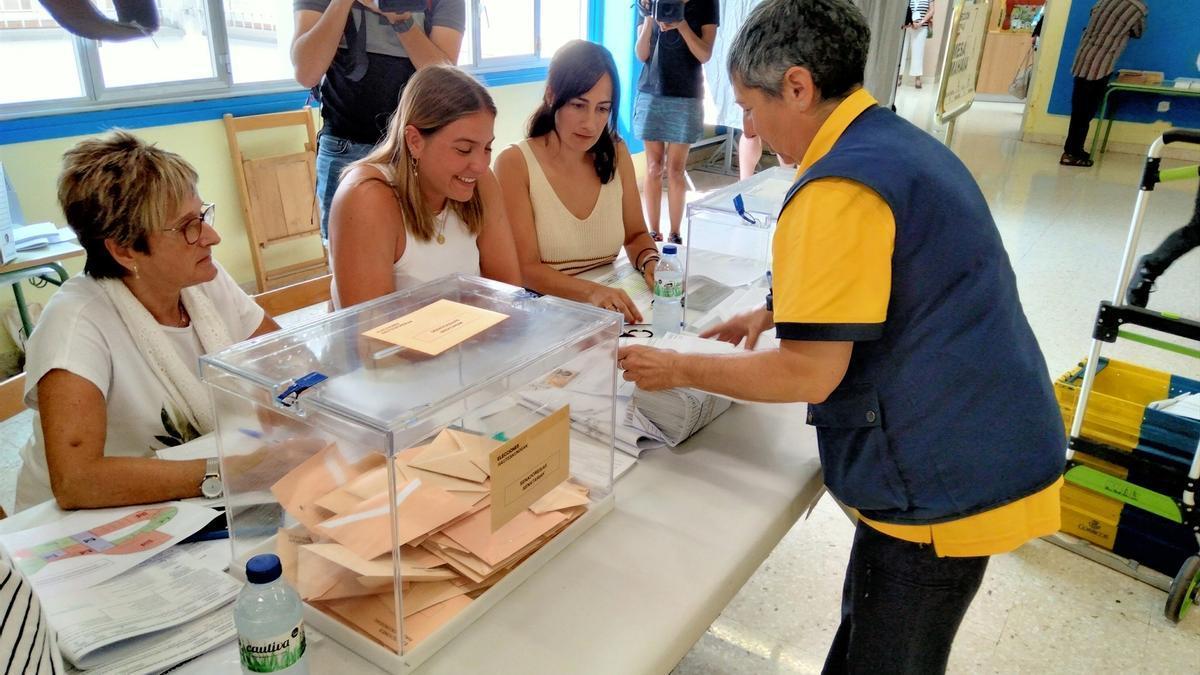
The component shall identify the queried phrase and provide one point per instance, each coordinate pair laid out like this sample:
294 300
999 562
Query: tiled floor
1041 609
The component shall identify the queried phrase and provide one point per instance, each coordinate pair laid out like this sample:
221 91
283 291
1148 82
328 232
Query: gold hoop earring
135 271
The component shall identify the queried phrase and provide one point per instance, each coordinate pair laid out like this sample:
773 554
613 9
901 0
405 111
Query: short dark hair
576 67
122 188
830 38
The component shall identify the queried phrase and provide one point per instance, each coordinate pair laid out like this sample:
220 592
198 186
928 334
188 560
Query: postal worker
899 323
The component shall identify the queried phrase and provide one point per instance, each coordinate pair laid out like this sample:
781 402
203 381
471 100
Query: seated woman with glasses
424 203
570 188
113 365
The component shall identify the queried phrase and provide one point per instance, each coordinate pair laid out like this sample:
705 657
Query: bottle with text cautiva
270 626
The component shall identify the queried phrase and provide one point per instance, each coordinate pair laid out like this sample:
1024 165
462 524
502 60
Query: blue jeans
333 155
901 606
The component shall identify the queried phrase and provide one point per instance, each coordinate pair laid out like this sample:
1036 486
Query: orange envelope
450 453
421 509
301 487
563 496
375 617
475 533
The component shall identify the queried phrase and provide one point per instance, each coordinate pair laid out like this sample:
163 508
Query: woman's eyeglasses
194 227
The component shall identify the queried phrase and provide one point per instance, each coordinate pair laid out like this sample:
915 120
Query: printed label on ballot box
530 465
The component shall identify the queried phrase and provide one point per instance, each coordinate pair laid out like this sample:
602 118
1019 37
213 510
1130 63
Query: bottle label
668 289
273 654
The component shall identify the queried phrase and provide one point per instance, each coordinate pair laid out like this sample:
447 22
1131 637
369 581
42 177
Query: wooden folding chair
279 197
294 297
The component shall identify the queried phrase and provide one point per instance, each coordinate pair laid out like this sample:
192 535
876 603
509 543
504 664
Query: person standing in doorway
916 31
669 113
1109 28
358 59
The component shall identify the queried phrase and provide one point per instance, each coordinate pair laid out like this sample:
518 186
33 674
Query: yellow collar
833 128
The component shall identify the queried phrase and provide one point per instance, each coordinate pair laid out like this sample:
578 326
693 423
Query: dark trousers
901 606
1085 103
1176 244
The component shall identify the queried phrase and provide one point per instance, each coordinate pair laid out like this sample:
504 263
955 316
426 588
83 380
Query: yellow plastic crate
1117 403
1090 516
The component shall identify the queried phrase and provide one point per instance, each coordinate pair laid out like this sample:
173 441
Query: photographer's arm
701 46
316 41
642 48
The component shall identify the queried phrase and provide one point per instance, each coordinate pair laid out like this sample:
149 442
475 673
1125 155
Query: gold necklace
441 236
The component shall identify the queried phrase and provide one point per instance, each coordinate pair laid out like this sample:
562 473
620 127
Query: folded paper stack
342 557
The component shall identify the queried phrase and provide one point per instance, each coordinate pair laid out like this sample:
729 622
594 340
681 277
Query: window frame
98 97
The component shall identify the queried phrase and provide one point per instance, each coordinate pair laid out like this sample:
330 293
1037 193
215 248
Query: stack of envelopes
340 556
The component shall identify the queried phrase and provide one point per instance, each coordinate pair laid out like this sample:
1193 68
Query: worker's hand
745 326
667 26
649 368
615 300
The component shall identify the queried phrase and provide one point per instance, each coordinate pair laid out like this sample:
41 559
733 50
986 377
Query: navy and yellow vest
951 411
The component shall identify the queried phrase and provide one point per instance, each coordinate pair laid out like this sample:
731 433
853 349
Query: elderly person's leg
901 606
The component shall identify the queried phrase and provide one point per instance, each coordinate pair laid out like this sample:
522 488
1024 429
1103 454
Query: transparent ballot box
728 251
413 459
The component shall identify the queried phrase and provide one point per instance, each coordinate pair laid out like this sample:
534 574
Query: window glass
38 55
180 50
260 39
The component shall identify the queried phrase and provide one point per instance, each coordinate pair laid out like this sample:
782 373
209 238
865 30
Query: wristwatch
211 487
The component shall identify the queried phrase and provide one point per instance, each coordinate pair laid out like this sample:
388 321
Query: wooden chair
297 296
279 197
12 402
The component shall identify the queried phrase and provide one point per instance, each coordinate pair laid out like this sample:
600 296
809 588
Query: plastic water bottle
269 621
668 293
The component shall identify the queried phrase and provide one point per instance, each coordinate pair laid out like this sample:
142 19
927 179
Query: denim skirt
669 119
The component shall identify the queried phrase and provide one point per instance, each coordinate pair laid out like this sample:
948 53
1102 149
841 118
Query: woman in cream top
570 188
423 203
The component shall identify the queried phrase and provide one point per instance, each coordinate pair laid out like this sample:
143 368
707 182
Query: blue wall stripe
43 127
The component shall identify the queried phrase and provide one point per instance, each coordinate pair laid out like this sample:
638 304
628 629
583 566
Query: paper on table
168 590
624 277
90 547
436 327
160 651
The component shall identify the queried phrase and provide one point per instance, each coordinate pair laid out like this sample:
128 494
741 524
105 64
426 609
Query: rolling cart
1132 471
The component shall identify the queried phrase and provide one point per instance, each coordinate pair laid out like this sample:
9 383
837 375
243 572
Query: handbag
1019 88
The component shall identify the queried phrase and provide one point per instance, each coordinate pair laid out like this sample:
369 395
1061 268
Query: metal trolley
1156 473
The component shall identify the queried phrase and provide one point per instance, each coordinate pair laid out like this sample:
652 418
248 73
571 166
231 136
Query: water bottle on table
668 292
269 621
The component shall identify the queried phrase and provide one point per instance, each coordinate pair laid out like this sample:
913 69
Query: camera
400 6
664 11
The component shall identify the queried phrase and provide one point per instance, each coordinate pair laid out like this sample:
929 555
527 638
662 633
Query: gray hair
830 38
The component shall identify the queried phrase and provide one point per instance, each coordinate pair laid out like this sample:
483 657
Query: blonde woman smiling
424 203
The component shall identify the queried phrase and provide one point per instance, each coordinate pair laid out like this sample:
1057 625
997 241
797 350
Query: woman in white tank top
423 204
570 188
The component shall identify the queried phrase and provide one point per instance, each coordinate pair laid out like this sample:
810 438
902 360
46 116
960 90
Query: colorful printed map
130 538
